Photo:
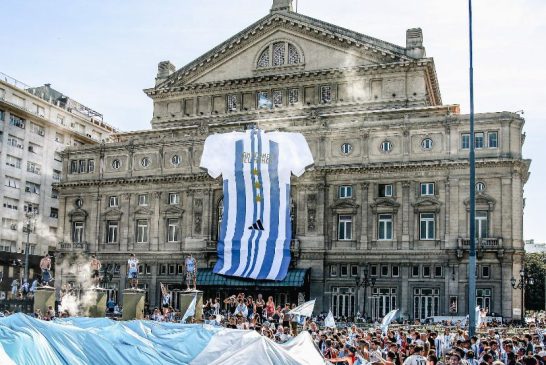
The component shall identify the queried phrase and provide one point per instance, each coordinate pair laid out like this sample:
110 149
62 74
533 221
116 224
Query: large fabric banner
255 231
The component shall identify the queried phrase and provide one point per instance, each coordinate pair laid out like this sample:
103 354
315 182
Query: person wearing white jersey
417 357
132 270
165 298
191 271
256 167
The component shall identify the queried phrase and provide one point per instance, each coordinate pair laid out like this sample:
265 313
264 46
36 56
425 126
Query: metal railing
483 243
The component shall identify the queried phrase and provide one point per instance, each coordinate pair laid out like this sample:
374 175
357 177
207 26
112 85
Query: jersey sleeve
212 156
301 154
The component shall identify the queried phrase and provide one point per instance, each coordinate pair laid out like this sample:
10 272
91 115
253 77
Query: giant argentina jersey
255 233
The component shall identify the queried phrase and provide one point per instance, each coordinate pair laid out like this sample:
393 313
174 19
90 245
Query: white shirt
415 360
133 264
256 168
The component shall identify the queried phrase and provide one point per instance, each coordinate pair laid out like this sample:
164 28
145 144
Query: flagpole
472 186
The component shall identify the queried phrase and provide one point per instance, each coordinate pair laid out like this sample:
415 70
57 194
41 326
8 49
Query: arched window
279 54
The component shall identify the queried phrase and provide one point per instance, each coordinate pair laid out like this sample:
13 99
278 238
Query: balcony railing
489 243
70 246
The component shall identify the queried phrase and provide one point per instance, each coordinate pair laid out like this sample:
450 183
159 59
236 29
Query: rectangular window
344 270
374 270
59 137
354 270
143 200
345 227
60 119
148 270
2 115
262 99
174 198
16 121
479 140
325 94
485 272
333 270
493 139
345 191
415 271
15 142
54 213
427 229
483 298
293 96
77 232
384 270
112 232
426 271
277 98
465 141
10 203
37 129
32 188
73 166
232 103
29 207
172 269
438 272
12 182
54 194
173 230
34 148
385 190
384 227
113 201
91 166
57 157
56 175
82 166
34 167
142 231
395 271
427 189
481 224
13 161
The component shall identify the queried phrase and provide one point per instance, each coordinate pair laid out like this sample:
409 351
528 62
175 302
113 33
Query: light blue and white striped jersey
256 230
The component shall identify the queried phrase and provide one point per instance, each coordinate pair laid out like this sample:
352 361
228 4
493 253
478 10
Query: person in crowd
14 288
165 298
269 307
95 266
132 270
191 272
45 266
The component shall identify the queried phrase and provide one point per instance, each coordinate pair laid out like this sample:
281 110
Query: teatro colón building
379 221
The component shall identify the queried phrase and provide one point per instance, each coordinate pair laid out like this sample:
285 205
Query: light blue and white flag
389 317
478 316
329 320
256 229
264 102
190 312
304 310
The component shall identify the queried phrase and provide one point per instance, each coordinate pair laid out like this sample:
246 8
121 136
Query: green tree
535 264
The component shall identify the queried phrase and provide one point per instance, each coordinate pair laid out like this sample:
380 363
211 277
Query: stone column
405 297
364 206
406 222
506 211
133 304
157 239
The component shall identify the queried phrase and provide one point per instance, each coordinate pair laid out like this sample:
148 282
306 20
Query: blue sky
103 53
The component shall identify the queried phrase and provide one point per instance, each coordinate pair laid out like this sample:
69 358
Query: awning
295 278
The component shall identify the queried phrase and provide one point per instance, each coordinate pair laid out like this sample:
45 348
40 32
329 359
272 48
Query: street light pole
525 281
364 283
29 216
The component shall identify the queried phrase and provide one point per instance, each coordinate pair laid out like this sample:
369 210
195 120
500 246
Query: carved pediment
172 211
429 203
112 214
143 211
345 206
385 205
483 202
77 214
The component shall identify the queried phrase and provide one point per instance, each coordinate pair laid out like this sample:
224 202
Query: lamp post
28 228
524 282
365 282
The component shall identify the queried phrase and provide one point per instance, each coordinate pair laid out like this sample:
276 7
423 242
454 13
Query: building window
427 189
34 168
386 146
493 139
16 121
56 175
10 203
2 115
78 202
15 142
384 270
29 207
12 182
480 186
426 144
385 190
395 271
426 303
344 270
385 227
37 129
174 198
345 227
142 231
145 162
112 232
485 272
374 270
465 141
143 200
82 166
116 164
293 55
415 271
277 98
73 166
278 54
483 298
263 60
481 224
345 191
32 188
346 148
325 94
232 103
172 230
54 213
54 194
343 302
13 161
438 272
91 166
333 270
427 229
426 271
479 140
175 160
113 201
354 270
77 232
383 300
293 96
263 100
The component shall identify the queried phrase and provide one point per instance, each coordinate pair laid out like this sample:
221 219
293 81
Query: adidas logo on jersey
258 225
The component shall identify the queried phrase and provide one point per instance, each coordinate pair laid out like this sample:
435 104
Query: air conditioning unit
14 226
30 149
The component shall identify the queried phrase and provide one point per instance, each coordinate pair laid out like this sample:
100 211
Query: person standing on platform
165 298
95 266
132 271
191 272
45 266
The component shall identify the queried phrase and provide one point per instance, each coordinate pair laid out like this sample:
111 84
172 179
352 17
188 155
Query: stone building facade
36 124
386 200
